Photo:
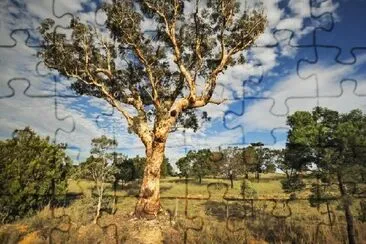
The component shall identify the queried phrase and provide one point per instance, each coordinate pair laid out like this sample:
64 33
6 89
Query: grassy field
210 212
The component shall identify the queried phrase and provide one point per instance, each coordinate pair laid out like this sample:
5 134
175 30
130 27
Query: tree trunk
246 175
99 206
200 179
231 181
287 174
115 184
363 178
347 210
257 176
148 204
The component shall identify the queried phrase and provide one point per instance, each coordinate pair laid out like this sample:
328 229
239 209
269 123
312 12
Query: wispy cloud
86 113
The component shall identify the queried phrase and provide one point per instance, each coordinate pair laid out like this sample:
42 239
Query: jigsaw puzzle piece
252 120
298 18
21 61
328 73
26 16
350 18
351 96
87 11
20 106
18 61
230 85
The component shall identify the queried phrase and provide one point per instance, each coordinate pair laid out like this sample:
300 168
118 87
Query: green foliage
184 166
130 66
293 183
247 190
335 144
201 165
139 165
195 163
232 162
320 193
32 172
125 169
99 165
166 169
136 167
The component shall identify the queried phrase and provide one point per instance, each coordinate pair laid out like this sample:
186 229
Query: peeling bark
148 204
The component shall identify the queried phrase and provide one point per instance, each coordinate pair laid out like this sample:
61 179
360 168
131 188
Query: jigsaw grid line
315 45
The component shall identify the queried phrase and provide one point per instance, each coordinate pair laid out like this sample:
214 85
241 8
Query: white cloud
293 93
20 61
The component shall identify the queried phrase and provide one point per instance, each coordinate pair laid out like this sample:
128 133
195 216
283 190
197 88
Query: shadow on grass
272 223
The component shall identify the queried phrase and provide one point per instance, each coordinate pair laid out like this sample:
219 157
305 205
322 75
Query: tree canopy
33 173
333 146
155 62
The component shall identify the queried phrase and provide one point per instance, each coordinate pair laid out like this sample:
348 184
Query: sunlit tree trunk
148 204
99 206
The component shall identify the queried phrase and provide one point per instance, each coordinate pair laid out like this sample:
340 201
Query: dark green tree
195 164
201 164
166 168
335 143
33 173
184 166
262 155
139 164
250 160
125 168
281 162
164 73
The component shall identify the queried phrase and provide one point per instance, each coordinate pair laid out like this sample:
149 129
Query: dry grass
210 220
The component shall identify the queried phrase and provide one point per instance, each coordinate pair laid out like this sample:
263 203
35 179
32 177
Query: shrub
33 171
294 183
247 190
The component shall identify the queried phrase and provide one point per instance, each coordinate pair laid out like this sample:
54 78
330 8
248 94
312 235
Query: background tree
201 164
281 162
163 73
139 164
125 168
195 164
232 164
124 171
166 168
335 143
99 167
250 158
33 173
270 158
184 166
261 155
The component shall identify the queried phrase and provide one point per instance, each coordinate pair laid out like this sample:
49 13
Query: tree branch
170 31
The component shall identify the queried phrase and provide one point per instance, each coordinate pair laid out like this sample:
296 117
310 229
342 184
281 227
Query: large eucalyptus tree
163 73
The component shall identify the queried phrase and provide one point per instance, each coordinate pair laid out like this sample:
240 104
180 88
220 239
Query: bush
247 190
33 171
294 183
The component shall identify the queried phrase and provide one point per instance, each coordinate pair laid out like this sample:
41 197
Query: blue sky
285 72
